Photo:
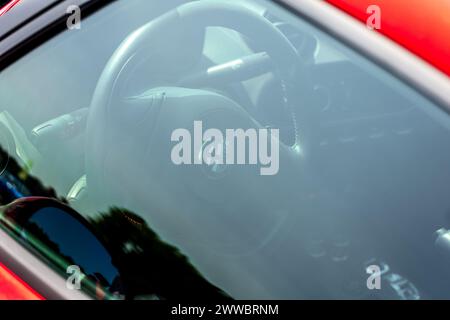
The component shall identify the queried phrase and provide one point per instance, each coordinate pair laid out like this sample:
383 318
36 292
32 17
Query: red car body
14 288
8 6
420 26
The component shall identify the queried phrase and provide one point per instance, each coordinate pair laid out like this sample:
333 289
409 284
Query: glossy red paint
8 6
14 288
421 26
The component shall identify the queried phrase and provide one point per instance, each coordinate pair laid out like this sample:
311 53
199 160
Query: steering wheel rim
192 19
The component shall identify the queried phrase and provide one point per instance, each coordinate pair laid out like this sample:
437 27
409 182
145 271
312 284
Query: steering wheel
129 131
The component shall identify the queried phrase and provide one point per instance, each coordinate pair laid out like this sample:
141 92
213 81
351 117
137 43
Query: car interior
363 175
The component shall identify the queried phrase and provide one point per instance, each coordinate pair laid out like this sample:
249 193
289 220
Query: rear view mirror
64 238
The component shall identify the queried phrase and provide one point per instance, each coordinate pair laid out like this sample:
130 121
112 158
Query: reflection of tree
149 266
30 186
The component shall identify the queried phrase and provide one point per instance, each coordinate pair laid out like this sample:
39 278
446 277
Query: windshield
229 149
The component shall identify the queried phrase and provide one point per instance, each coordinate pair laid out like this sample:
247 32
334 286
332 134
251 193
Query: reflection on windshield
148 267
15 182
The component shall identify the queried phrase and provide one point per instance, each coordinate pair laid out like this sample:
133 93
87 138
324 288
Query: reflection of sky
75 241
